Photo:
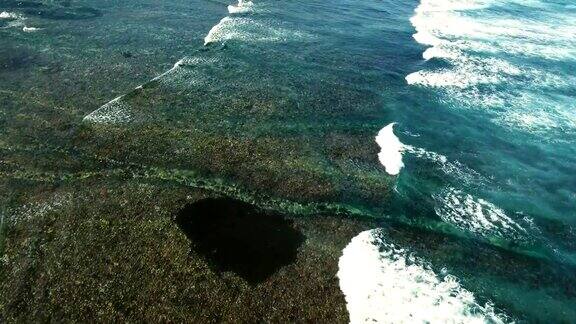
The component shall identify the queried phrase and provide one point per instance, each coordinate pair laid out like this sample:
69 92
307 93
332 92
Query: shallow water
451 123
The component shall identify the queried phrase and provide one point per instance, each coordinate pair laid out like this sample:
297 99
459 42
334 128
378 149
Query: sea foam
452 168
214 34
250 30
241 7
8 15
113 112
30 29
384 283
483 49
476 215
390 150
14 19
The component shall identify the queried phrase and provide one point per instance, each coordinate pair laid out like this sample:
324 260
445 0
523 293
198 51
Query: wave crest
384 283
390 150
476 215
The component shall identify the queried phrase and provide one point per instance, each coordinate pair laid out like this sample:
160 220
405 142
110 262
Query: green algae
2 229
114 248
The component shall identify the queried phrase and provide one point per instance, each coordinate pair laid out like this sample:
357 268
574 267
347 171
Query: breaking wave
113 112
499 59
476 215
241 7
390 150
14 20
8 15
385 283
452 168
249 30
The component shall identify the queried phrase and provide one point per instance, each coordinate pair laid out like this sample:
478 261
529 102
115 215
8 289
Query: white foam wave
251 30
390 150
241 7
480 43
113 112
232 28
443 78
536 121
9 15
118 111
187 78
452 168
476 215
384 283
30 29
439 53
451 5
215 31
447 26
174 68
451 26
14 19
426 38
465 72
550 113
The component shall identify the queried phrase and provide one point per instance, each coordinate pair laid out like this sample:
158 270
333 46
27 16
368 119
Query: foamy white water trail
476 215
113 112
119 111
176 66
451 168
215 31
392 151
251 28
385 283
